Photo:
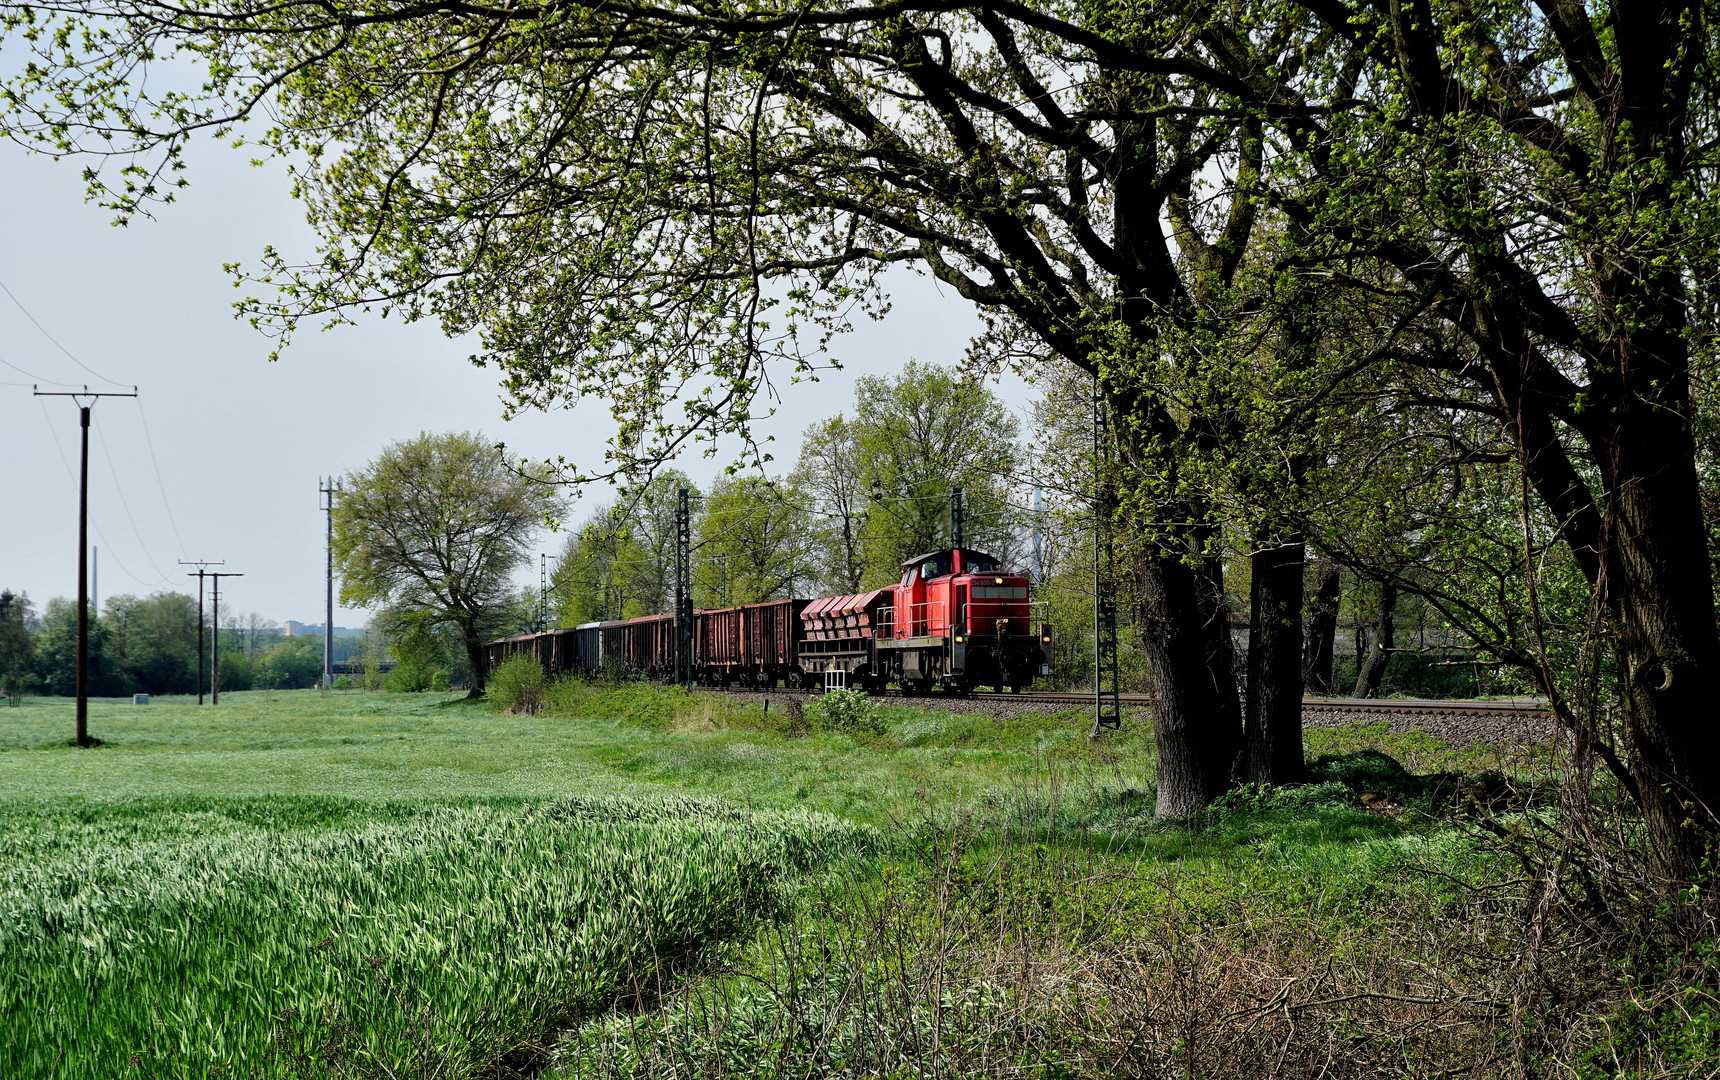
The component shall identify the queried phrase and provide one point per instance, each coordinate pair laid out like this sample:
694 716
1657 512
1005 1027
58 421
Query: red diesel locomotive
957 620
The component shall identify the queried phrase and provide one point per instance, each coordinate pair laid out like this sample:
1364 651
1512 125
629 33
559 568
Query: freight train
956 621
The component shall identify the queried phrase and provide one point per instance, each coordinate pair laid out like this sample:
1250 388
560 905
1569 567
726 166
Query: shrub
518 686
343 683
851 711
407 677
236 672
439 681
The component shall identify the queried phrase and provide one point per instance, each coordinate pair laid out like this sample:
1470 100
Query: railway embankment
1459 723
1521 727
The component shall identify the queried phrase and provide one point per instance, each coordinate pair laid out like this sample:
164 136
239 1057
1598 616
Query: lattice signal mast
1107 696
683 589
329 489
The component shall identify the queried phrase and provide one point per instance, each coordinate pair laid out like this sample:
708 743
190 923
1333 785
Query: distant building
299 629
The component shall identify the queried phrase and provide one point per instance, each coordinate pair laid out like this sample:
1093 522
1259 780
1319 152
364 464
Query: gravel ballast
1509 729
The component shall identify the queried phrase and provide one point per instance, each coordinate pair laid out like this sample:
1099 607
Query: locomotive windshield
937 566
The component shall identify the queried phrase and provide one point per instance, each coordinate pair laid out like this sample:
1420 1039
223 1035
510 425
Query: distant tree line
148 645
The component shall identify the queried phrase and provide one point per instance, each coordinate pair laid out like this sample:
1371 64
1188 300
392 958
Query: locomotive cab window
937 567
978 566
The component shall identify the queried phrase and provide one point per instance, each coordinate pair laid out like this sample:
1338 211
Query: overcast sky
238 442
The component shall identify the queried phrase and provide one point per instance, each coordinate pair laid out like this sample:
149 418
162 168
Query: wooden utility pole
215 648
83 727
199 575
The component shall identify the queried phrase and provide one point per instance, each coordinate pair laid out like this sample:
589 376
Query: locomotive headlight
998 580
958 639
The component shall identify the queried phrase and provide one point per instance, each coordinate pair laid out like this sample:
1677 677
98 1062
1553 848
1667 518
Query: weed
852 712
517 686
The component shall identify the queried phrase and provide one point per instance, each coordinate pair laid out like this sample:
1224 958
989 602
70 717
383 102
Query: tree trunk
1185 634
1373 668
1322 631
1662 607
1647 555
1272 727
475 657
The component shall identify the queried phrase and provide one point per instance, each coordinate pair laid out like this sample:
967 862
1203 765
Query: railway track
1317 706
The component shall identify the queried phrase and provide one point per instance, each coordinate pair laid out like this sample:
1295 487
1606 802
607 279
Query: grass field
297 884
369 746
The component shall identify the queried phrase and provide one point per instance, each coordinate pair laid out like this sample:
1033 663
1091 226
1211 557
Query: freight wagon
639 648
753 645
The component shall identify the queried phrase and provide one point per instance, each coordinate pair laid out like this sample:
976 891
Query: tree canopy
433 530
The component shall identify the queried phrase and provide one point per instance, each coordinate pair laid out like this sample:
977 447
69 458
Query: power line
62 450
160 577
159 483
67 465
149 442
327 490
201 573
31 374
56 342
215 643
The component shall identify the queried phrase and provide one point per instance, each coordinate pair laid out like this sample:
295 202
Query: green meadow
640 882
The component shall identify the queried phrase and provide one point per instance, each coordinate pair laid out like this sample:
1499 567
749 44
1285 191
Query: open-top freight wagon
955 621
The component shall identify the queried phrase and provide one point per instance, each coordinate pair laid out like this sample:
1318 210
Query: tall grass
993 954
429 940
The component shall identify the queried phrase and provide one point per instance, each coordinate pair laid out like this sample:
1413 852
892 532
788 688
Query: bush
343 683
236 672
517 686
439 681
408 677
290 665
851 711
